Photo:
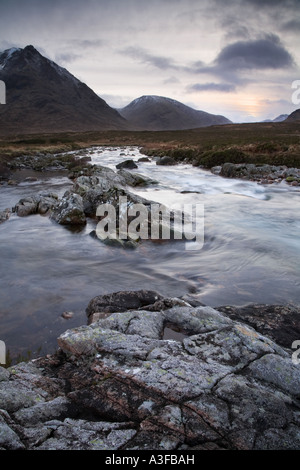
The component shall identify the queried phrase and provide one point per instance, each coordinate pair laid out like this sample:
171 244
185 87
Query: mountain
156 113
41 96
294 116
280 118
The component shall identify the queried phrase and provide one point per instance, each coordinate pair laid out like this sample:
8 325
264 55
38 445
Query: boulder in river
127 164
41 203
166 160
70 210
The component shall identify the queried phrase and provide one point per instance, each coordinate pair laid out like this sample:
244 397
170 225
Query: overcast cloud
235 57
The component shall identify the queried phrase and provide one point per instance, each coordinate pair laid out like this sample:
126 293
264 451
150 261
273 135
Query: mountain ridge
294 116
157 113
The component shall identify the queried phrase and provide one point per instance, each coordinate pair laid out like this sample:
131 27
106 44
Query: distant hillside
280 118
156 113
41 96
295 116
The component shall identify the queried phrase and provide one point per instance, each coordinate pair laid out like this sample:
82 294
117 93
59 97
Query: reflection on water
251 252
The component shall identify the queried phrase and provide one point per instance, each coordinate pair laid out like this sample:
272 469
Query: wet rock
166 161
67 315
70 210
97 196
42 203
134 179
127 164
46 202
4 215
26 206
115 242
122 301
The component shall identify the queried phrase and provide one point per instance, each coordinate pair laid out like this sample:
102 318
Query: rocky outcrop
96 186
265 174
280 322
118 383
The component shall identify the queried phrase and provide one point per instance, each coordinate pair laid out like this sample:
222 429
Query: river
250 254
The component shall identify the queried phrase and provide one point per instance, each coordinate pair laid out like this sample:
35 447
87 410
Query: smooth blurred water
251 252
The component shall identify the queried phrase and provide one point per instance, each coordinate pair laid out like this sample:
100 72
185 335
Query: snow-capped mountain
158 113
41 96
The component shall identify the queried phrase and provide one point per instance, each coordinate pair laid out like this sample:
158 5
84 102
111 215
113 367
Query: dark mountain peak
294 116
30 49
42 96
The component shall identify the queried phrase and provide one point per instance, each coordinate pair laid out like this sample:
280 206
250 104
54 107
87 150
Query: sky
237 58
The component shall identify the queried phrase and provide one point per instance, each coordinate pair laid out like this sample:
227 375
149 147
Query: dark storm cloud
267 53
259 54
241 57
292 25
273 3
261 4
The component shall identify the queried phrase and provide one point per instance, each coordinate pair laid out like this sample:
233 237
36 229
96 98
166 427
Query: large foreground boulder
118 383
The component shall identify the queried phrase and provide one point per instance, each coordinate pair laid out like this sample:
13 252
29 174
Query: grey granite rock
223 385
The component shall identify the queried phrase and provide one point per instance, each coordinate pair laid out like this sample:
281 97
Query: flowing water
251 251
